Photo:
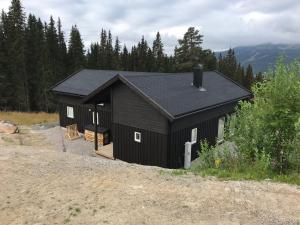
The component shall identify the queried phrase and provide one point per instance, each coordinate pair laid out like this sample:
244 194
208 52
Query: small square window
70 112
137 137
194 136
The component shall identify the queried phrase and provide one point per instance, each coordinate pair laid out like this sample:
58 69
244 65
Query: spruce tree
92 56
52 45
3 64
34 40
102 50
125 59
62 50
259 77
75 51
116 55
249 79
17 78
158 53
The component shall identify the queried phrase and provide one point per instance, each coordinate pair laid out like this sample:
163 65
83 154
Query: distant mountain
263 57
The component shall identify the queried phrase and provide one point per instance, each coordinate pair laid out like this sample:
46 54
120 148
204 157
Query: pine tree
158 53
189 51
75 51
17 78
249 79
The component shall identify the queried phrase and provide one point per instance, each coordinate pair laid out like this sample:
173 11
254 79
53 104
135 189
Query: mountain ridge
263 56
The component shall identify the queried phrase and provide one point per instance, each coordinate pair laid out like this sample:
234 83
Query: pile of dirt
8 127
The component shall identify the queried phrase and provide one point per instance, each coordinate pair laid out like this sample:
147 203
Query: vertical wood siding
151 151
205 130
129 109
83 116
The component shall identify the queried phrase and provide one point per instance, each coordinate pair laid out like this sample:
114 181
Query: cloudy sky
223 23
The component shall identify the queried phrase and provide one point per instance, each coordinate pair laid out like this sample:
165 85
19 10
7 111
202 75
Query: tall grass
28 118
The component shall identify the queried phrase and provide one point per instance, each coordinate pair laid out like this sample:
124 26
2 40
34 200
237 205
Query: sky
224 23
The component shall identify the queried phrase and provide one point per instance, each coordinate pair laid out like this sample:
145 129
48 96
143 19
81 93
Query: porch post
95 126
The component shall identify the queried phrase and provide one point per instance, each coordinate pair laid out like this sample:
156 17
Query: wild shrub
266 129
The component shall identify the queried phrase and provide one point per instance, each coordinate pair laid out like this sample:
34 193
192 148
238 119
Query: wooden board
90 136
72 132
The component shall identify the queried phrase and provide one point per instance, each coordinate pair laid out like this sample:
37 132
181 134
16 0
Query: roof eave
180 116
68 94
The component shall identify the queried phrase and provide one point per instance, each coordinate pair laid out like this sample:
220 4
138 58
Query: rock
7 127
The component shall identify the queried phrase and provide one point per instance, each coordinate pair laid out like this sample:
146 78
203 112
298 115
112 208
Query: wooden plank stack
102 137
72 132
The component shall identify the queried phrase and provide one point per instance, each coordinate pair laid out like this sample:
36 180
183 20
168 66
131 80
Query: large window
70 112
194 136
94 118
137 137
221 129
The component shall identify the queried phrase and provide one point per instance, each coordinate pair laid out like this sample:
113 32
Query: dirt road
39 185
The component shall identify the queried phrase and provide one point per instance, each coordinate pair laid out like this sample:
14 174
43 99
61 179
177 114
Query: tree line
34 55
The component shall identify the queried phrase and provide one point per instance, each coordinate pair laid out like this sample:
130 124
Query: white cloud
223 23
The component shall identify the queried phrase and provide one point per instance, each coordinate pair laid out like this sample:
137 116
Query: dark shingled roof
86 81
172 93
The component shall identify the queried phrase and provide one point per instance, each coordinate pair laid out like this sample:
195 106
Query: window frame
221 133
93 118
194 135
70 112
136 138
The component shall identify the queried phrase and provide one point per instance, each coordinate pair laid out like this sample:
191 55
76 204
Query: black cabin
150 116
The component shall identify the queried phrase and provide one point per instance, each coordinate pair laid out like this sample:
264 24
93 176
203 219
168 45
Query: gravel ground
41 184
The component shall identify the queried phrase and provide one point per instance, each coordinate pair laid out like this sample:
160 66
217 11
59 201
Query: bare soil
40 184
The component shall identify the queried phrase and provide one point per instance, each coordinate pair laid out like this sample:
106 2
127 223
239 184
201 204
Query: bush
266 129
223 156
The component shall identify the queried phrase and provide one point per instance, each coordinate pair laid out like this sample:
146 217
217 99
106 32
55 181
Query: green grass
248 174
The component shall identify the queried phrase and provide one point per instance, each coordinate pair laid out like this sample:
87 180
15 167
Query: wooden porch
106 151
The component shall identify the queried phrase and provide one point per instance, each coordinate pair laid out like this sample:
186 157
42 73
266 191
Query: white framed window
137 137
221 127
94 118
70 112
194 136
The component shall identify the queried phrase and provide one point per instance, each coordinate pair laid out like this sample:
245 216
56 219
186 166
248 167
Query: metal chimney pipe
198 76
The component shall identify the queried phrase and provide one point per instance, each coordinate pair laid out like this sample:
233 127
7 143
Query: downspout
95 126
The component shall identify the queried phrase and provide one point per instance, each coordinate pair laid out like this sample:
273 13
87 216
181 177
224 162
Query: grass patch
248 174
179 172
28 118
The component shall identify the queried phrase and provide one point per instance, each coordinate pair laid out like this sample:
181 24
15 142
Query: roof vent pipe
198 77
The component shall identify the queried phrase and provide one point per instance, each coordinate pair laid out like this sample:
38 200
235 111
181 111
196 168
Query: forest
34 55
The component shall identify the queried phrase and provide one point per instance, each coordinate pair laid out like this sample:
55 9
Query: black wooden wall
205 130
151 151
132 110
206 123
82 114
131 113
